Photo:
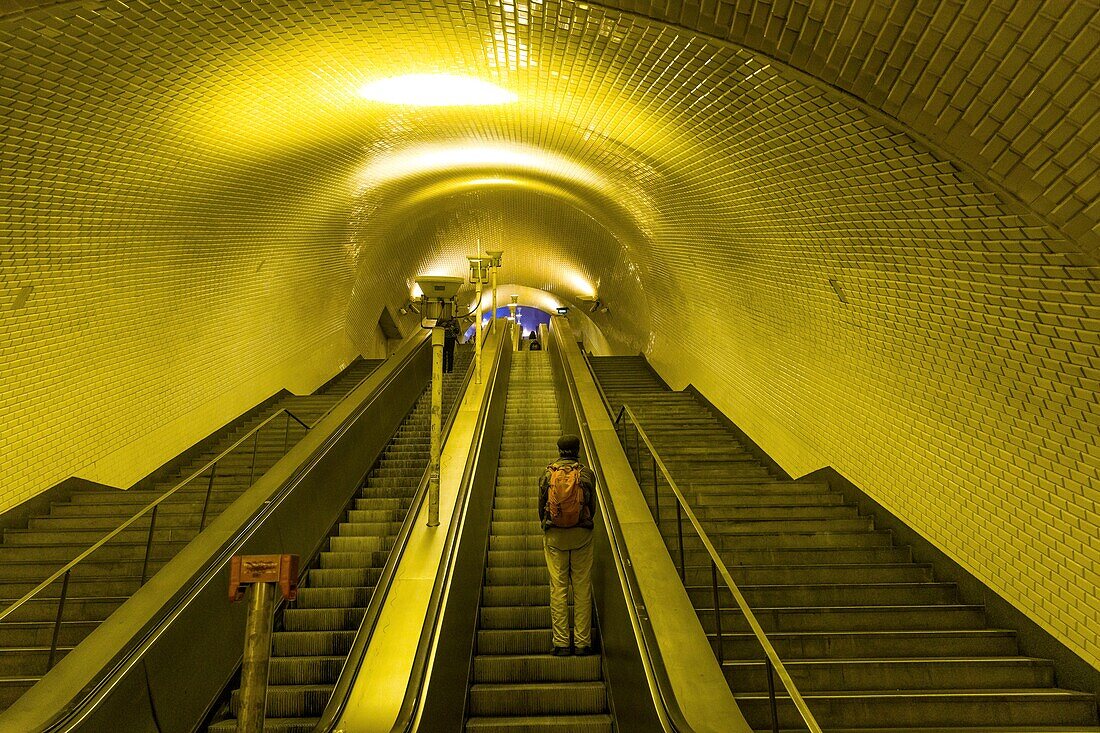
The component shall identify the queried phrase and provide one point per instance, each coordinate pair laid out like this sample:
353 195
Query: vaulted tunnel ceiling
852 222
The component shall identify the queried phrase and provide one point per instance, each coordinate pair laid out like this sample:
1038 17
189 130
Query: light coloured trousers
570 567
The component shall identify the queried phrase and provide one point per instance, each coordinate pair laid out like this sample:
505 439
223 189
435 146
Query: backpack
565 500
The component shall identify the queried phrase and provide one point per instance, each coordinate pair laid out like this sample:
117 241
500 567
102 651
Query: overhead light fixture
435 90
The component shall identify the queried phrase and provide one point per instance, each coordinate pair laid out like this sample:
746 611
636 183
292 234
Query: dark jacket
588 483
450 330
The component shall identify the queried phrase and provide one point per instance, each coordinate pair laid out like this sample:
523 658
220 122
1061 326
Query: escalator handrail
407 714
337 703
757 630
672 716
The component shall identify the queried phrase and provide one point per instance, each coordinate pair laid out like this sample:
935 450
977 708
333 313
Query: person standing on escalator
450 338
566 509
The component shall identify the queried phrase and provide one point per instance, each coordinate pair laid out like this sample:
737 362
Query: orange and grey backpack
565 500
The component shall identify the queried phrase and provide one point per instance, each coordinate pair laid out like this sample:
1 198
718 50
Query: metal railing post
206 501
680 539
717 612
637 447
57 621
771 694
255 445
656 498
286 433
149 544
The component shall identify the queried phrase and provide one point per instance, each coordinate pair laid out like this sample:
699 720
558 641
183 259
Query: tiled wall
886 269
1008 87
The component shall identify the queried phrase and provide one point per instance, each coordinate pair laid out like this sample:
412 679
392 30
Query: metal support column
437 425
494 317
477 336
515 334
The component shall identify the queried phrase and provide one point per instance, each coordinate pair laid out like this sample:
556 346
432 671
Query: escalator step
546 698
538 667
570 723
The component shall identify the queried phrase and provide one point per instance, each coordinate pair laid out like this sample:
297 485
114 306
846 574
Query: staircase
517 686
112 574
869 637
316 632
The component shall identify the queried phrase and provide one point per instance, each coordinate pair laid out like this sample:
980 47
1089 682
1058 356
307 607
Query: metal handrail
65 571
774 663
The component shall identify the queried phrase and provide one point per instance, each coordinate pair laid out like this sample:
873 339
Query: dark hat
569 445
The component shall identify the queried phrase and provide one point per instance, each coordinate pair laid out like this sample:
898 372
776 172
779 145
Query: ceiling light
435 90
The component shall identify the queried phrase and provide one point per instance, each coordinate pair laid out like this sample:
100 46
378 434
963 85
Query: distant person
534 336
566 508
450 338
535 346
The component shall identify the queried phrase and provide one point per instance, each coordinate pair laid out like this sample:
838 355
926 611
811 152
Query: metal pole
149 543
680 536
494 278
60 615
255 445
477 336
257 655
637 450
717 610
286 433
515 331
206 502
656 498
771 694
437 425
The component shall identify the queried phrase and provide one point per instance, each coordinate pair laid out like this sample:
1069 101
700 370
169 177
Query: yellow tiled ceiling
865 230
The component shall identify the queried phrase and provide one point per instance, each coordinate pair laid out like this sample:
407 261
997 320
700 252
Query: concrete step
838 594
873 644
912 674
924 709
851 618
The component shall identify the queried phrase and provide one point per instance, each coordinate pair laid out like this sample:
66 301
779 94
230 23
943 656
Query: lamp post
494 256
436 304
478 271
513 308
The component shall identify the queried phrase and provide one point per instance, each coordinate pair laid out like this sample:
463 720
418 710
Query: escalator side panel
623 669
299 526
444 705
178 639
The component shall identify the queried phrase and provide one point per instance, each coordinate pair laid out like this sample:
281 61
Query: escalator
315 633
869 636
61 531
516 685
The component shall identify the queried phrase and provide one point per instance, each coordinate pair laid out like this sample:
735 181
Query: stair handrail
65 571
718 567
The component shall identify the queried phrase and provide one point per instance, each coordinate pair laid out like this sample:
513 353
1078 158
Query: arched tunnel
865 231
